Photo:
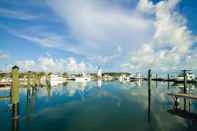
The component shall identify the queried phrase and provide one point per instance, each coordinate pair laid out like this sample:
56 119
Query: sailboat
99 73
82 78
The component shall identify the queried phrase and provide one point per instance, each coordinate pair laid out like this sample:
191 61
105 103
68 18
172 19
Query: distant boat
99 73
82 78
189 75
56 80
124 78
107 78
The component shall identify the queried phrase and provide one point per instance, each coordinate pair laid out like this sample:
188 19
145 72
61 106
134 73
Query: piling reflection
15 117
149 95
27 106
33 98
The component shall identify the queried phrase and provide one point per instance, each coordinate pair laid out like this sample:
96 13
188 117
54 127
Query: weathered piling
15 91
149 78
185 86
168 81
34 80
48 78
156 80
15 98
185 81
28 79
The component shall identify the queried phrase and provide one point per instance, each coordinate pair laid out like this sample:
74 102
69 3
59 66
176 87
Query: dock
183 95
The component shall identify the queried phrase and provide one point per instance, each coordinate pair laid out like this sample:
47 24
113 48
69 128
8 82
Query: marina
61 101
98 65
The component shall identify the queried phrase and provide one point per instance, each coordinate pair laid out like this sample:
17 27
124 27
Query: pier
182 95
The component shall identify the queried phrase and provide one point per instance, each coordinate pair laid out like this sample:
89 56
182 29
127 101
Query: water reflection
99 83
28 106
149 102
115 106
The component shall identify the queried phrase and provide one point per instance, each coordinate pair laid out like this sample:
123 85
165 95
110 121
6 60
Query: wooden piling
168 81
15 92
185 81
149 78
156 80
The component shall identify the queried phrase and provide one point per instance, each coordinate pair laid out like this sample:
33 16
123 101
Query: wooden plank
183 95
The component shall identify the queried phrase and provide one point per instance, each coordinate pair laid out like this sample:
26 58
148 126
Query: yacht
99 73
56 80
82 78
189 75
124 78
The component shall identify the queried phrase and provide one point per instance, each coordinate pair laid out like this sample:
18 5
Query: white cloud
49 64
150 36
100 27
171 41
3 56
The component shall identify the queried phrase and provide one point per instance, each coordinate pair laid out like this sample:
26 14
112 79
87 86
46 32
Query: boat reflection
99 83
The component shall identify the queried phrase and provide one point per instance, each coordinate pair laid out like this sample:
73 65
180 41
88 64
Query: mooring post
48 79
168 81
15 98
28 79
156 80
185 81
15 91
185 86
34 82
149 78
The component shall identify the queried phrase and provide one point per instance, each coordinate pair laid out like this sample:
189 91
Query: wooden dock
183 95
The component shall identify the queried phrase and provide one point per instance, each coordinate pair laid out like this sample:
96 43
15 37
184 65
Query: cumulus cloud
49 64
151 35
171 41
100 27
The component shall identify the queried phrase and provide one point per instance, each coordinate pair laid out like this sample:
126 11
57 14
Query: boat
82 78
99 73
124 78
56 80
189 75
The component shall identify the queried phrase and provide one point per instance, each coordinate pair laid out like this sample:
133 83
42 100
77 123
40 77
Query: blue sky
119 35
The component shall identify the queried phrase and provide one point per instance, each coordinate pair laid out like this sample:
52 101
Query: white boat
82 78
56 80
189 75
99 73
107 78
124 78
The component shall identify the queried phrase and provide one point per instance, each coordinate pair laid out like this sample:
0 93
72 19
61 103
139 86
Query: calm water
112 106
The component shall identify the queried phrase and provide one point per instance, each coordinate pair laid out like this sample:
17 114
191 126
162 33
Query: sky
81 35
